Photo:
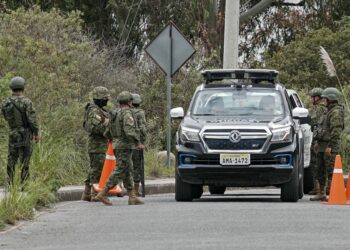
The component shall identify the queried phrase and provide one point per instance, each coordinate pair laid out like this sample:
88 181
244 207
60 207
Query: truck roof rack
256 75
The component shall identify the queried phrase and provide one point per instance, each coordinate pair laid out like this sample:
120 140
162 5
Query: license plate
234 159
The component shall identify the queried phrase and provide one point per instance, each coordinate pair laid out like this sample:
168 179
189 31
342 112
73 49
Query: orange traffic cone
107 170
337 192
348 188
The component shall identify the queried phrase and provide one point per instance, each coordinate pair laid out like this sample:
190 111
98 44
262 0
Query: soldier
20 114
317 110
327 146
137 155
125 139
96 121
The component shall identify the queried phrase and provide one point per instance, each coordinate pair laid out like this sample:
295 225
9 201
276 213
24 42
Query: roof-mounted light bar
253 74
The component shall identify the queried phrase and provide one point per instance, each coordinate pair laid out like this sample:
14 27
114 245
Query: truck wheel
308 180
183 190
217 189
290 190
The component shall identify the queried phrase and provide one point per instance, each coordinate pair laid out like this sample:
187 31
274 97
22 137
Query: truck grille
250 138
225 144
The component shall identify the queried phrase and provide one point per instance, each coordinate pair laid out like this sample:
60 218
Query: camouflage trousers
22 154
325 166
123 170
313 164
137 157
96 165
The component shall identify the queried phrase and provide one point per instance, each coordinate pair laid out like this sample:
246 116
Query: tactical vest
13 113
114 125
324 133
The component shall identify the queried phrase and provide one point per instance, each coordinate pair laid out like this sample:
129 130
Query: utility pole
231 34
232 20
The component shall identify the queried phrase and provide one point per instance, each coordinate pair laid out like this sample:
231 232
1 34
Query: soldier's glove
328 151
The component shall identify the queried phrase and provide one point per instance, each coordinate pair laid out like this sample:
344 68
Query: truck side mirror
177 113
302 114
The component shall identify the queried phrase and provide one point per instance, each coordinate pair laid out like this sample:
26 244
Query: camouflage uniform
96 121
123 147
97 142
137 155
331 128
21 117
125 139
328 136
317 112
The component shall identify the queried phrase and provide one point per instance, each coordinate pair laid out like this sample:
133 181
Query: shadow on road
240 198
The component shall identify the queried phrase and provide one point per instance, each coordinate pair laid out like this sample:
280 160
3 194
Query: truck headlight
189 134
282 134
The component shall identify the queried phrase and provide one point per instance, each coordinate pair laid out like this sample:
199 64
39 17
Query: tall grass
55 162
21 199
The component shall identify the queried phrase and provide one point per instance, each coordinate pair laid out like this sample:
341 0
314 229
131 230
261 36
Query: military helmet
136 99
17 83
316 92
124 96
331 94
100 93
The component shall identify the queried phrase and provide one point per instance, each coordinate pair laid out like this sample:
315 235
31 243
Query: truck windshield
233 102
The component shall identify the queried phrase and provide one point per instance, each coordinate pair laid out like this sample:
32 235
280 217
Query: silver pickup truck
242 129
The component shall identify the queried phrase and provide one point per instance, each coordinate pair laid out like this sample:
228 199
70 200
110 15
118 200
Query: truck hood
198 122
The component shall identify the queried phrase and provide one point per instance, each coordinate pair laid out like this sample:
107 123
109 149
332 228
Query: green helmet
100 93
124 96
316 92
331 94
136 99
17 83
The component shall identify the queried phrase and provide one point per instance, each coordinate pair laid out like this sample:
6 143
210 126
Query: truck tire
308 180
217 189
183 190
290 190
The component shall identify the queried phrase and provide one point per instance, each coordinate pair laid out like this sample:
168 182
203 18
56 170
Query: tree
300 64
280 25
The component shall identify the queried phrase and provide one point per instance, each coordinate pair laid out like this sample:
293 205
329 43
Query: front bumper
264 170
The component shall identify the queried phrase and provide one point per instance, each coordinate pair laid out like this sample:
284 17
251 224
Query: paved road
244 219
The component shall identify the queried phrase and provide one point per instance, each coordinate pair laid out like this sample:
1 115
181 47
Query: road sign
170 50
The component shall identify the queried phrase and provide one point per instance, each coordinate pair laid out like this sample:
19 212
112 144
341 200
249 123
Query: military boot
93 195
316 189
136 188
321 196
102 196
133 200
87 193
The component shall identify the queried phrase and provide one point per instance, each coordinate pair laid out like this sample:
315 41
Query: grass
21 200
55 162
154 167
